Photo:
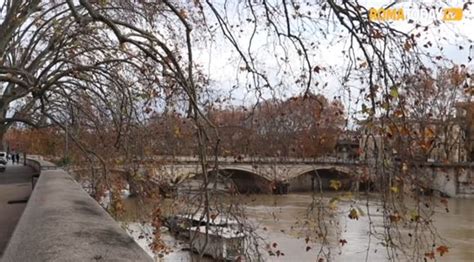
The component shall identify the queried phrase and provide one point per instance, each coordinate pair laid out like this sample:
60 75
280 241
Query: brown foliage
45 141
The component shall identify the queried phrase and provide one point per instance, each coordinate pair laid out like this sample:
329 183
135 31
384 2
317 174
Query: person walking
13 155
17 156
8 153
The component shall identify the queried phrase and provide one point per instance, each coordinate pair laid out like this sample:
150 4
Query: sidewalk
15 185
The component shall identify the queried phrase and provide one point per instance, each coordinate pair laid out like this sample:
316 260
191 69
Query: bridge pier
280 188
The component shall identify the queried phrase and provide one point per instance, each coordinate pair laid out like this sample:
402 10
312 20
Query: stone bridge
264 175
256 175
277 175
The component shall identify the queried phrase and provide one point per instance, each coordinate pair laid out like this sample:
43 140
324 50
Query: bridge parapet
259 160
61 222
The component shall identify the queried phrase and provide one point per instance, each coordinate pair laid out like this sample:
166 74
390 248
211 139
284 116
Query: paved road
15 185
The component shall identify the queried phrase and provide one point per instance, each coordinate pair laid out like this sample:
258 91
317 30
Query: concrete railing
38 164
61 222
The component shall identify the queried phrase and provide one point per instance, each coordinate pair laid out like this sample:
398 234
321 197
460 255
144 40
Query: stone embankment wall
61 222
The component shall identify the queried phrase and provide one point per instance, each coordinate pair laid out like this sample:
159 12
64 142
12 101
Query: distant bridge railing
261 160
169 159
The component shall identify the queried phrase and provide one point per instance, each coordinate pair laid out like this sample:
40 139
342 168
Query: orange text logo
452 14
382 14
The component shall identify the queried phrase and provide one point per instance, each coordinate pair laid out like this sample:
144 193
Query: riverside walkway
15 188
60 221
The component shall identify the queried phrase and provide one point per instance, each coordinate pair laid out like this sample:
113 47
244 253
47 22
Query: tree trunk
3 145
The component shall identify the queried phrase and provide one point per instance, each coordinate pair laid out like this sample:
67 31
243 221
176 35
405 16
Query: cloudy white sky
221 63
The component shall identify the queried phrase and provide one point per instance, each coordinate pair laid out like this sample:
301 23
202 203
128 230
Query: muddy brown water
278 219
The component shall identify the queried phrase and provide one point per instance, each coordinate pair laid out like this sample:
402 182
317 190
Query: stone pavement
15 187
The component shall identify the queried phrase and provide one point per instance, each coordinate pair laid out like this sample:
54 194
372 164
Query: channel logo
452 14
446 14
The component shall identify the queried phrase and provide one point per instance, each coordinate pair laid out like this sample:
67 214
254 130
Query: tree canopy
113 75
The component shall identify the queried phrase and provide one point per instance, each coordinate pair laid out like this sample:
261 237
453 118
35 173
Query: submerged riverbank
280 221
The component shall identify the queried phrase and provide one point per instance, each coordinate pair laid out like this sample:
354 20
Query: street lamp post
66 144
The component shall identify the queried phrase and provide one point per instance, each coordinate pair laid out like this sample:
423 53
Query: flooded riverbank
278 220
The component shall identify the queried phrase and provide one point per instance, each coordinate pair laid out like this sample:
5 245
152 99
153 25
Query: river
279 218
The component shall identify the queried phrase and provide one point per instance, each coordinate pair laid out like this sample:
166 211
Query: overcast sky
220 62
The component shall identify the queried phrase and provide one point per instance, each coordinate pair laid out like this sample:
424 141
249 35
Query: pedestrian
17 158
13 156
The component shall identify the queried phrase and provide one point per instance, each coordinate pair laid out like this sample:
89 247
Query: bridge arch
244 180
303 170
314 178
